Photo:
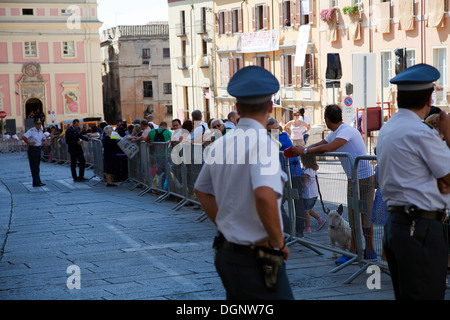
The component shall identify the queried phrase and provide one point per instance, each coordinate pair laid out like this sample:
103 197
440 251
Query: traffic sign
2 114
348 101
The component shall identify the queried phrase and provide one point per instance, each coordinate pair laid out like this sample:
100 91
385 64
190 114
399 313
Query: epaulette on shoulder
428 125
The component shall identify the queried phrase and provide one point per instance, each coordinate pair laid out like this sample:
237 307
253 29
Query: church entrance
34 110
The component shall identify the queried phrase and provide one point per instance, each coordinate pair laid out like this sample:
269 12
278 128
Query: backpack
159 135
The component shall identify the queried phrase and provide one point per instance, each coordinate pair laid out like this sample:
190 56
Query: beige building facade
50 61
280 36
136 72
191 29
406 31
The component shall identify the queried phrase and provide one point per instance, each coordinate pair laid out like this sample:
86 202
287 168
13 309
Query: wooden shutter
267 63
292 10
282 70
254 18
230 21
280 5
240 20
298 14
298 75
312 69
265 17
217 23
311 11
231 66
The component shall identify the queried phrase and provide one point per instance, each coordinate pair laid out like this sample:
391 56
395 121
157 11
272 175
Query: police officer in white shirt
414 174
241 193
34 138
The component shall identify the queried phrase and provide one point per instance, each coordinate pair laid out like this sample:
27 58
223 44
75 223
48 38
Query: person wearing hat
34 138
241 193
414 172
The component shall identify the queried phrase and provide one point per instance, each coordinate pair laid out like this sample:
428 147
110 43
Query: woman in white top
295 128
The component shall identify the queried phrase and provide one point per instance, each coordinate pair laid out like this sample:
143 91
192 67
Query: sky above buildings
131 12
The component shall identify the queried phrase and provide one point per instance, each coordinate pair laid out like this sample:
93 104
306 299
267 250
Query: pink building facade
50 60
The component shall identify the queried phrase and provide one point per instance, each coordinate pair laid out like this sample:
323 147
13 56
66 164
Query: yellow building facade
191 38
273 35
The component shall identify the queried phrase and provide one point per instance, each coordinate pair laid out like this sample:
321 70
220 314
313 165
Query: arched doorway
34 110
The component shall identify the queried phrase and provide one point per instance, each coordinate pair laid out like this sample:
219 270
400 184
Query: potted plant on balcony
350 10
354 29
328 15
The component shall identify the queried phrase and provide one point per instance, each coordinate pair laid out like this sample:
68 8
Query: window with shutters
308 71
224 70
222 22
288 13
262 61
261 17
236 18
287 66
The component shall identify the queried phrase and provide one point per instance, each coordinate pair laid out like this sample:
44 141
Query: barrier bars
154 168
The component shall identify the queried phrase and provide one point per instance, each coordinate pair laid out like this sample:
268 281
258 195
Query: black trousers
243 278
34 158
74 157
418 263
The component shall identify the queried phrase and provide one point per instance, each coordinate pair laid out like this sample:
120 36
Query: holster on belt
271 261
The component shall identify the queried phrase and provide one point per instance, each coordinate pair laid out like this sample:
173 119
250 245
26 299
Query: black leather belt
221 242
415 213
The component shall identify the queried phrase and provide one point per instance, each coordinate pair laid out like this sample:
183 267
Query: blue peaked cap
253 85
418 77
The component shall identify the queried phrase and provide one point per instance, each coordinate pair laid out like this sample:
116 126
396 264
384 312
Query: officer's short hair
334 113
414 100
254 109
196 115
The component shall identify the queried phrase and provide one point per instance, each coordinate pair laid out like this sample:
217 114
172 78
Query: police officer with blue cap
241 194
414 177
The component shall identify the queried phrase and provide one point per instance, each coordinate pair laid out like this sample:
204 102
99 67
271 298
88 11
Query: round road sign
2 114
348 101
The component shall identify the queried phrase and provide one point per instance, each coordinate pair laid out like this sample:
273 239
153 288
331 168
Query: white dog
339 230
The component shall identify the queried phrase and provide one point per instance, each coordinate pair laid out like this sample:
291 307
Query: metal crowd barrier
154 170
12 145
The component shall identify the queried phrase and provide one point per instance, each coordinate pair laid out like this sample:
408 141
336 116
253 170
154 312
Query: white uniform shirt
33 135
411 156
233 184
199 131
355 147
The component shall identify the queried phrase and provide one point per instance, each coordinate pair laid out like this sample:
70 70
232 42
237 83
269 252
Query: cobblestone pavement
125 247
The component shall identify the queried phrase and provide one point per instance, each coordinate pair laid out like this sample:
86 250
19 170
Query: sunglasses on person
217 126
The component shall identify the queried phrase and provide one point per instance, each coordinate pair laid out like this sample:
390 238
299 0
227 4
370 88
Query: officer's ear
271 107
